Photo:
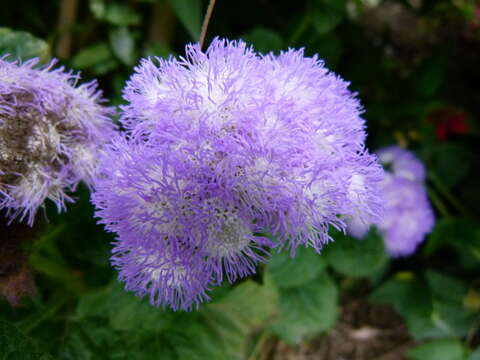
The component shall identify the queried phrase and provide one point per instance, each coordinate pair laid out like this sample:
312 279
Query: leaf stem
206 20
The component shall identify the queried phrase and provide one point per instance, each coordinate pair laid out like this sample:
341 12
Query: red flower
448 121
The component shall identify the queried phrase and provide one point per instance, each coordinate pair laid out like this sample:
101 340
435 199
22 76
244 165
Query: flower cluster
221 148
408 216
50 135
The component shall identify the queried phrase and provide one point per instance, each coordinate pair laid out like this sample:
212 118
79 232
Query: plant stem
264 336
32 322
442 188
301 28
67 16
438 202
206 20
472 331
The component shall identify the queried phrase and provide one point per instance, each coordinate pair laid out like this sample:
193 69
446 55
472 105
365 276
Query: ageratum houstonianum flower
50 134
408 216
178 224
222 145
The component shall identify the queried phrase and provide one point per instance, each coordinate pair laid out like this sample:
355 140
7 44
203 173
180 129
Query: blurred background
416 67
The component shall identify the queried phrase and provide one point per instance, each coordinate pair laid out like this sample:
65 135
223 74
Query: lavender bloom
403 163
256 143
408 215
50 134
179 226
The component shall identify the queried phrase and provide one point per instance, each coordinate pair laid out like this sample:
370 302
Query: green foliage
22 45
447 349
444 157
474 355
112 321
122 44
117 14
432 308
307 310
326 14
190 14
356 258
293 272
122 310
264 40
431 76
16 346
99 57
461 234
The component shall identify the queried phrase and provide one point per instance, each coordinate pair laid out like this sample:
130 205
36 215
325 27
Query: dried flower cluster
51 133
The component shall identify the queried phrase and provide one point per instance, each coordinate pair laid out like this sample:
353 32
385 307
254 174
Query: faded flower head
225 144
408 216
50 135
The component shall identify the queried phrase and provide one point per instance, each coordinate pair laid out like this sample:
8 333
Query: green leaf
326 14
124 310
190 14
121 15
328 47
446 349
123 45
475 355
223 328
445 320
405 293
306 311
288 271
463 234
431 76
114 319
354 257
97 7
264 40
16 346
427 315
92 55
158 50
444 157
22 45
95 340
446 287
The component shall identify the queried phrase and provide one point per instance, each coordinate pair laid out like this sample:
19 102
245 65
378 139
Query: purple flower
50 135
259 144
408 216
179 225
402 163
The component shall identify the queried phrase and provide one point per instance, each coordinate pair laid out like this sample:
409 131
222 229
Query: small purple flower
50 135
247 143
408 216
402 163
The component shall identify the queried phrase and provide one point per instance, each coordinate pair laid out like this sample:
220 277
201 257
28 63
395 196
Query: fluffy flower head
260 143
50 135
